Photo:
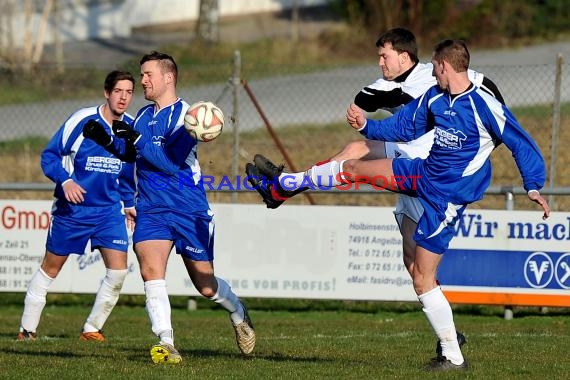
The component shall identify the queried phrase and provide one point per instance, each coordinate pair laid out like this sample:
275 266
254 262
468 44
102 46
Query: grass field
364 341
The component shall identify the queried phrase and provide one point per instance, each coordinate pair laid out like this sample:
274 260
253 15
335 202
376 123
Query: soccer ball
204 121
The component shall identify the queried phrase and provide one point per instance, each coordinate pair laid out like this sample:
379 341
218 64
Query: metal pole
274 136
555 127
509 206
236 82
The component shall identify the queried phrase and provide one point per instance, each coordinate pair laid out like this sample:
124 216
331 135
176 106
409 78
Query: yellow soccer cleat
164 353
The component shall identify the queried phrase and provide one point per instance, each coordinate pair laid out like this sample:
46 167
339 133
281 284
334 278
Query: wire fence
306 113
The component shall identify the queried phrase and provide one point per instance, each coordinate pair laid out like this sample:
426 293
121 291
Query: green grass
355 341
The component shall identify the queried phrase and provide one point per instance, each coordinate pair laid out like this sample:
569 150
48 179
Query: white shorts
419 148
408 206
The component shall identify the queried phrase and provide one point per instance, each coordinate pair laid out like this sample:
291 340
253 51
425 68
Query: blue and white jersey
68 155
467 128
168 171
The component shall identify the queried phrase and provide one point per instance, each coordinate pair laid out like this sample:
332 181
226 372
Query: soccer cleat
96 336
25 335
267 168
245 334
460 339
441 363
259 183
164 353
272 172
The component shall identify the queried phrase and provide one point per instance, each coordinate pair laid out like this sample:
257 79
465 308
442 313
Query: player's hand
125 131
131 215
73 192
355 116
535 196
95 131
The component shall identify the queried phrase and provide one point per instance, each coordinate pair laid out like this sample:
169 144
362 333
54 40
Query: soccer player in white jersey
468 124
404 78
91 203
172 208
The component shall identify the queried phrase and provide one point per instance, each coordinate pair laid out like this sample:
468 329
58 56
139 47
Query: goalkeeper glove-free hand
96 132
125 131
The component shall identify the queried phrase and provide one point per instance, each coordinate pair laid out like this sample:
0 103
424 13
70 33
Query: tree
207 27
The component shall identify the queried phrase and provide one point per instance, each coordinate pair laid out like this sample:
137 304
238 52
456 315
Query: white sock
158 309
440 317
229 301
35 300
326 175
294 181
106 299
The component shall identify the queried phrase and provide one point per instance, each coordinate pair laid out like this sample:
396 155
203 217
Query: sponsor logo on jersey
157 140
450 138
102 164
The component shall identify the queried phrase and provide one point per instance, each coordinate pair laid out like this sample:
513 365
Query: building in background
79 20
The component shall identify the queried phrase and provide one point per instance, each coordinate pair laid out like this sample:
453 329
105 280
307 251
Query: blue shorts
71 230
192 234
436 226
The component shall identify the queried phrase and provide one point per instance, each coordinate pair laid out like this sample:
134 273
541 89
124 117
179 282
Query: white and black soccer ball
204 121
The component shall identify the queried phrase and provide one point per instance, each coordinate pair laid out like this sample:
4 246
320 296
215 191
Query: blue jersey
106 179
168 171
467 128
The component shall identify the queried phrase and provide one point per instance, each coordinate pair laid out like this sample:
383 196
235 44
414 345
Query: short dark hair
166 62
402 40
454 52
116 75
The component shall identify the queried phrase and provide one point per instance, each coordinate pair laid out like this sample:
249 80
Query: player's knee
352 150
206 291
116 277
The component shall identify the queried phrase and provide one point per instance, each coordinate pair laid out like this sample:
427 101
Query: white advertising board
325 252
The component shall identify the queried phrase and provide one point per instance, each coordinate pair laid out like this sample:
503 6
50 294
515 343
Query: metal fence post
236 82
509 206
555 126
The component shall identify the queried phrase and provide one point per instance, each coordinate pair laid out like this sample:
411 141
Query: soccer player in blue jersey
94 192
172 208
468 124
404 78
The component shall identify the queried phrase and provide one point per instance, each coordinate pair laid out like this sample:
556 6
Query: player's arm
127 188
409 123
372 99
170 157
526 153
53 158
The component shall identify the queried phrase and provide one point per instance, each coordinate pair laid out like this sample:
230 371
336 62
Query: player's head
454 52
449 58
119 88
159 74
398 52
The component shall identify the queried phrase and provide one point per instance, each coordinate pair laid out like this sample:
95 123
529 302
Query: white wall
110 19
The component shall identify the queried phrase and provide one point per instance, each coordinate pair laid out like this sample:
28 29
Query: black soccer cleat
460 339
272 172
441 363
262 185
